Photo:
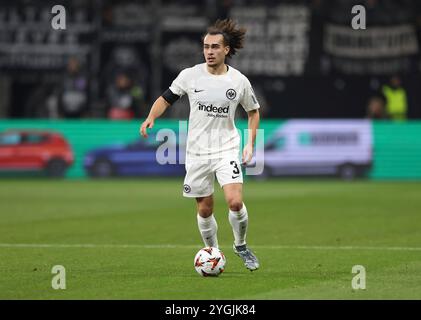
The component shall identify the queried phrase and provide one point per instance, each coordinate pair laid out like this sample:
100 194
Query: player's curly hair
233 34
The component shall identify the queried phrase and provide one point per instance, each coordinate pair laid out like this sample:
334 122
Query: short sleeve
179 85
248 99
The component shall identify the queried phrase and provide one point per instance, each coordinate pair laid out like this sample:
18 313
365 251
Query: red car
28 150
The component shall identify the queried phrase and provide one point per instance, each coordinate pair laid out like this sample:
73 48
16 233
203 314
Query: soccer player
215 89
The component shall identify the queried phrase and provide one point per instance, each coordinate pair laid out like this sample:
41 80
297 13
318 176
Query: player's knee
235 204
205 212
205 206
205 209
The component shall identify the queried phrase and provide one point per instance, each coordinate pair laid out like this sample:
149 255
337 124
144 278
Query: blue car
134 159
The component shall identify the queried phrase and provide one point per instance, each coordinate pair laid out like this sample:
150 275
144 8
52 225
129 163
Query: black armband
169 96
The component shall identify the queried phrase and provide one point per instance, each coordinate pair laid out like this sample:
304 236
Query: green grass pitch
136 239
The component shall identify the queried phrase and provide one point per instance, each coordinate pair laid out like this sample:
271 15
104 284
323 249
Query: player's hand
247 154
147 124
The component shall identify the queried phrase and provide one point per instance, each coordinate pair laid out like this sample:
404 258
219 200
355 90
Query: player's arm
251 106
253 125
158 108
177 89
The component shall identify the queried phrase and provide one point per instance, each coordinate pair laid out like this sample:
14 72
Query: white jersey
213 100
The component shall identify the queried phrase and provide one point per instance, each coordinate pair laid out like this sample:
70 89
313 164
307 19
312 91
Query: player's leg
238 217
198 184
237 213
206 221
230 178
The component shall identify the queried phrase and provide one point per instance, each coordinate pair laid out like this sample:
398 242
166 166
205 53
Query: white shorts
200 175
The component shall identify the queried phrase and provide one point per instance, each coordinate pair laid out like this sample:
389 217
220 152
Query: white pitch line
342 248
181 246
88 245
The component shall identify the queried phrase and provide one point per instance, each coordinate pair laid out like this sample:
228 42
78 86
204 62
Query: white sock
239 223
208 228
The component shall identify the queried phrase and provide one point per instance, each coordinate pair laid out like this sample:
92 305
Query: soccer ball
209 262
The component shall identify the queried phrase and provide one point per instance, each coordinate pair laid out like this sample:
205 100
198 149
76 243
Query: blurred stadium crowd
302 57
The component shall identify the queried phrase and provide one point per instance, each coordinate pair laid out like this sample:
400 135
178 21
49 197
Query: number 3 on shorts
236 170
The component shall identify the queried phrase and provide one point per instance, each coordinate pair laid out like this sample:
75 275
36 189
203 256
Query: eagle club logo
231 94
187 188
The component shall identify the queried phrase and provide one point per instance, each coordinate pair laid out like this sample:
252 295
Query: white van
320 147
